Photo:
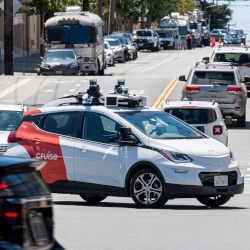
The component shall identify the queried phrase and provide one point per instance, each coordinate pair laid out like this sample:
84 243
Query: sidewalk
26 64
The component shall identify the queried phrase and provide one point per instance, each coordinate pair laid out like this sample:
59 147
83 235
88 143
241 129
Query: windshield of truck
193 115
59 55
238 58
160 125
143 33
211 78
193 26
68 34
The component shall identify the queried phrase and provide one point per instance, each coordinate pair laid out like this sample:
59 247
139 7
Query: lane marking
14 87
165 94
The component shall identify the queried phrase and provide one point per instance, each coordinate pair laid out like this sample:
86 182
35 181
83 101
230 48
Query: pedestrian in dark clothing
189 41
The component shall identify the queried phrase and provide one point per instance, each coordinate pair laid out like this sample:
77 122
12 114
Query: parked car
118 49
109 54
238 56
218 33
60 62
124 44
205 116
167 40
147 39
221 84
121 147
26 212
242 35
232 39
131 45
10 118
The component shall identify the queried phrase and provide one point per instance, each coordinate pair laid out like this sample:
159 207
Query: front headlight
73 65
176 157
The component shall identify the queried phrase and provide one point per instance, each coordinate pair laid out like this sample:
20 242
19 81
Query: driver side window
100 128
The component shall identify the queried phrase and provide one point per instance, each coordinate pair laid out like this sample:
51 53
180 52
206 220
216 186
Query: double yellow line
165 94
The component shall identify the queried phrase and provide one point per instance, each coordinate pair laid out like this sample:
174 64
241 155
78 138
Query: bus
81 31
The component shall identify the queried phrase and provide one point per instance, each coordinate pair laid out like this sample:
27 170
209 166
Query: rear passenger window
63 123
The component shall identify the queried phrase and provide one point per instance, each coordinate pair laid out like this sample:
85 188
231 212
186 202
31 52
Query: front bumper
88 67
68 71
146 45
190 191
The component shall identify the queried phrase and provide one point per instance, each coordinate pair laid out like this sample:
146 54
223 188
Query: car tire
93 199
215 201
241 121
154 196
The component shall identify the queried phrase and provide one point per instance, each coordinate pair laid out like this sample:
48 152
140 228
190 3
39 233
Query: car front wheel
214 201
93 198
147 189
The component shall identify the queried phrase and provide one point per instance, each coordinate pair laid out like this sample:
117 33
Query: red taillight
3 186
11 214
246 65
237 108
234 89
12 137
192 89
217 130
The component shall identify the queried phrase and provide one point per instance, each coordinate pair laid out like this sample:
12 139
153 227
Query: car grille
142 40
3 148
207 178
201 128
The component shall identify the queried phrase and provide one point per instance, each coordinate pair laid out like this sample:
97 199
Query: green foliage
43 6
219 16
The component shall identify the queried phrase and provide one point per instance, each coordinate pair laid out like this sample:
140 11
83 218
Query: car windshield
10 120
159 125
143 33
238 58
164 34
114 43
210 78
59 55
193 115
68 34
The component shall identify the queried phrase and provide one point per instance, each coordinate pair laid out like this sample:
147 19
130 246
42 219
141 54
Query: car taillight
217 130
192 89
12 137
246 65
234 90
3 186
11 214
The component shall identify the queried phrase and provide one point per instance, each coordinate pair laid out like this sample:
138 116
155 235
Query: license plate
38 229
221 180
59 72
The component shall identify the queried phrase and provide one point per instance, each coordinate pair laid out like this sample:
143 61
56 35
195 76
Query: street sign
18 19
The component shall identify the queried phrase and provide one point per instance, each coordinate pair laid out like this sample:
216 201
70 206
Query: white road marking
14 87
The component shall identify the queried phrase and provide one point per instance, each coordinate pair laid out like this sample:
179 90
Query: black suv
26 216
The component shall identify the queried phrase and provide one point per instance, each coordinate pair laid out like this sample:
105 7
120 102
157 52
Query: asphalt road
115 224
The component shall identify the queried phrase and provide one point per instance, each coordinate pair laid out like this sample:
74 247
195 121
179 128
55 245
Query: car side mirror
182 78
127 138
206 59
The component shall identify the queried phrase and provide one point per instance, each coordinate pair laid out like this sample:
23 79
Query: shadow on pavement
128 205
234 126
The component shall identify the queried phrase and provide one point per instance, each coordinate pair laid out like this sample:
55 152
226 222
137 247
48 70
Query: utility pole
8 37
111 16
85 5
100 8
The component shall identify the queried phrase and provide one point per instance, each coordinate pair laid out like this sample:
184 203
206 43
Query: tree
219 16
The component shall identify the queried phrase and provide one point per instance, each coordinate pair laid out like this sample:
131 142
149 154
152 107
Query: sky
241 14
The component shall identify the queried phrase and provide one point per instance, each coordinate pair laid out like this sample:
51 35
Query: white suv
238 56
205 116
116 146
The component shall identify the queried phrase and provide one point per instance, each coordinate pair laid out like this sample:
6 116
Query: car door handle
36 140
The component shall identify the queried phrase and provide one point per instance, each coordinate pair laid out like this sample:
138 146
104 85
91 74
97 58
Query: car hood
206 147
